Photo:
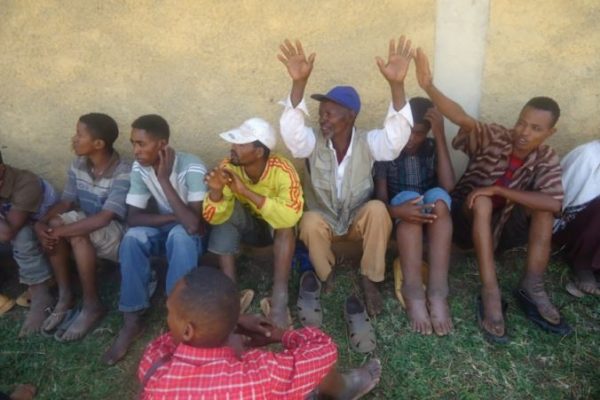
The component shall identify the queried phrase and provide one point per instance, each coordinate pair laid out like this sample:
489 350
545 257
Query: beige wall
208 65
545 48
204 65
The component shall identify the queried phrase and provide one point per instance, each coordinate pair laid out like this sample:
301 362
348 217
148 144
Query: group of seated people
394 181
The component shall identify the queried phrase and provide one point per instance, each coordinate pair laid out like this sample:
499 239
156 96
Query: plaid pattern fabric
415 173
186 372
488 161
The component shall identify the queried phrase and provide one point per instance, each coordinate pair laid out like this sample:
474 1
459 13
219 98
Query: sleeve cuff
287 103
405 112
137 200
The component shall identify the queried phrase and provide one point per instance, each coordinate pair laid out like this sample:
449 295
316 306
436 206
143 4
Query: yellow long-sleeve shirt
279 184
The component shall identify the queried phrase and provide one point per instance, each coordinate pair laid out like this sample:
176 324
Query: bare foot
373 300
40 301
361 381
62 307
279 310
83 323
23 392
131 330
586 282
416 308
439 312
493 319
536 292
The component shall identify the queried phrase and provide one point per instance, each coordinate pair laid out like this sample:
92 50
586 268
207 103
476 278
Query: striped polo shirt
187 179
92 195
488 160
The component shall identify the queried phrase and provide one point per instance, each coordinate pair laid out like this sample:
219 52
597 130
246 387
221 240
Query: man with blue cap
339 185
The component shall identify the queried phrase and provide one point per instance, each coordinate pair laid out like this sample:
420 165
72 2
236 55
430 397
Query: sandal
265 307
531 312
246 297
399 279
488 336
65 324
362 335
309 304
54 320
6 304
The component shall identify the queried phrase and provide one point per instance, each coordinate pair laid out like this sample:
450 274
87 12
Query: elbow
7 236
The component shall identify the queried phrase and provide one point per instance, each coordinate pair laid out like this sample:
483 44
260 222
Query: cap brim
235 136
321 97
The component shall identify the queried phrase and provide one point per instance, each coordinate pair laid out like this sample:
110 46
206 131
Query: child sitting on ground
197 357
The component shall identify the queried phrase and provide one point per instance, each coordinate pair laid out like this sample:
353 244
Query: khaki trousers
372 225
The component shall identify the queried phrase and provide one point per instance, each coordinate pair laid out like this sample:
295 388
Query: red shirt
514 163
216 373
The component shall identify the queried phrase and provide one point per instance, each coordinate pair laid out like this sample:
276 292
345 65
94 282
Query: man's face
418 135
83 142
146 147
243 154
532 128
334 119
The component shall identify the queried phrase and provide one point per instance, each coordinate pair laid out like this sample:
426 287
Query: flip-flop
24 299
246 297
65 324
362 334
265 307
6 304
488 336
53 321
58 335
399 279
309 304
531 312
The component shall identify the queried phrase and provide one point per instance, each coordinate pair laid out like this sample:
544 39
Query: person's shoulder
79 163
124 164
547 155
189 162
280 163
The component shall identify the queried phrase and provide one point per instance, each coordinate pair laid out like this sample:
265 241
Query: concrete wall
208 65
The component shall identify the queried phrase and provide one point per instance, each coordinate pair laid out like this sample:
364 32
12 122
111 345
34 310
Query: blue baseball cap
345 96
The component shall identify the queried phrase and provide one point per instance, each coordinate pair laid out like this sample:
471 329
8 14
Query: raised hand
436 119
424 75
399 57
166 159
298 66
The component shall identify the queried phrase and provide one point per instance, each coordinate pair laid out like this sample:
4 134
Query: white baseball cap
251 130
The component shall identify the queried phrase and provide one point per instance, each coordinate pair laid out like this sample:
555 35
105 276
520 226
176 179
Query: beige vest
357 186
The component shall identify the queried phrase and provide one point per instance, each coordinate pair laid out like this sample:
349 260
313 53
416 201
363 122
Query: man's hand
488 191
394 71
166 159
235 183
258 330
424 75
45 236
436 119
216 181
294 59
414 213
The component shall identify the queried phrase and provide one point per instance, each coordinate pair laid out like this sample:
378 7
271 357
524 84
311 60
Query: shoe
309 303
532 313
361 332
488 336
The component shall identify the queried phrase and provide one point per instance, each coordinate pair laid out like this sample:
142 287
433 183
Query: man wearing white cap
255 197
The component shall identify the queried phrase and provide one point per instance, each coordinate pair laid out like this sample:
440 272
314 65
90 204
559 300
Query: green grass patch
461 366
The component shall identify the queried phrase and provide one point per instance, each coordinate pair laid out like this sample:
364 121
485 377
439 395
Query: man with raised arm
339 184
507 196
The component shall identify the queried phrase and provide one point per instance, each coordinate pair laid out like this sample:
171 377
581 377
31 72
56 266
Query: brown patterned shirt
488 160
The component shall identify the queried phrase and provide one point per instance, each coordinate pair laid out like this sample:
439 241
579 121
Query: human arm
188 215
139 217
444 170
387 143
219 201
12 224
298 138
84 226
161 347
42 229
534 200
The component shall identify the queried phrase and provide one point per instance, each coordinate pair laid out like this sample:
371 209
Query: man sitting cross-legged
200 356
418 182
255 197
511 189
176 182
339 183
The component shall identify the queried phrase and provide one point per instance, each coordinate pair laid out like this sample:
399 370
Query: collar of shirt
341 166
108 171
200 355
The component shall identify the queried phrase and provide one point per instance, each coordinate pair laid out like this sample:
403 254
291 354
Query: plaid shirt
415 173
186 372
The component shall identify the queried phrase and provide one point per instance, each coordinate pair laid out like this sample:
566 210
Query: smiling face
146 147
533 127
335 119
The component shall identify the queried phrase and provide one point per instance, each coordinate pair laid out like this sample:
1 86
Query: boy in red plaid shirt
197 358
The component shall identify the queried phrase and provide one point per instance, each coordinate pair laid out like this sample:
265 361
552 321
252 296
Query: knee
179 236
482 206
441 209
133 236
285 235
81 240
55 222
376 209
311 221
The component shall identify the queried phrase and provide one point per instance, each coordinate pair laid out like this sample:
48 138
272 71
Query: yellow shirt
279 184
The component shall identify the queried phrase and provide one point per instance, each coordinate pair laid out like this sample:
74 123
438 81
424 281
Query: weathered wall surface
204 65
545 48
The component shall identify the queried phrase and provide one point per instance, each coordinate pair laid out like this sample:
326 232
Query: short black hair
546 104
211 300
154 124
101 126
266 150
419 107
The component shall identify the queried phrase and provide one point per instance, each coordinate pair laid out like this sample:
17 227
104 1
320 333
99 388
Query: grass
461 366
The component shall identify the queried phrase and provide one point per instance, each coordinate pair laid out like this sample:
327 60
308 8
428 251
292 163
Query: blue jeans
141 242
429 197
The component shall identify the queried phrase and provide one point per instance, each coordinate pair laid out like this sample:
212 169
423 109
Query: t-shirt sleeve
194 180
285 208
27 193
70 191
138 194
117 195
